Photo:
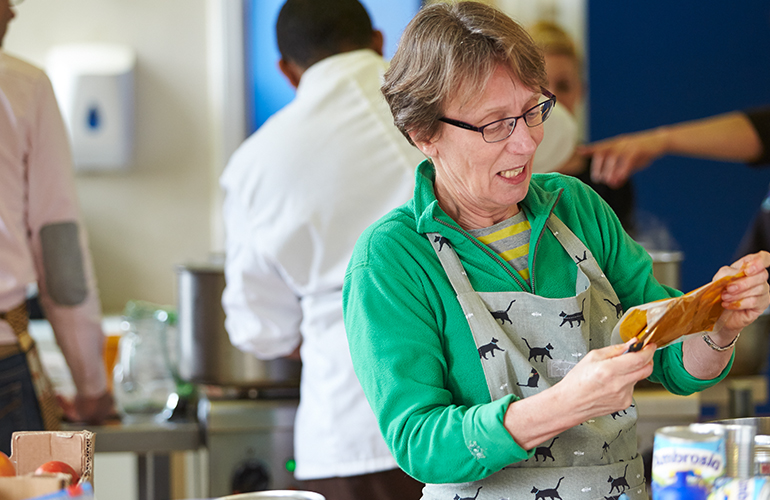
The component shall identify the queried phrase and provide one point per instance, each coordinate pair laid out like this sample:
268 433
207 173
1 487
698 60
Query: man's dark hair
311 30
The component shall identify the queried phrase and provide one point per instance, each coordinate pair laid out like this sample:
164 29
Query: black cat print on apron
528 343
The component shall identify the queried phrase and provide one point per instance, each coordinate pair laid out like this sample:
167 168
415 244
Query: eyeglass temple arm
460 124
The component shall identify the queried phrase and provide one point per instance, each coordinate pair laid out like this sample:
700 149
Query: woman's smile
512 173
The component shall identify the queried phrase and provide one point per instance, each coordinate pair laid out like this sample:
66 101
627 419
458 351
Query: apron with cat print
528 343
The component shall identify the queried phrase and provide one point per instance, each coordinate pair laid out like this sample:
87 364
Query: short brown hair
450 51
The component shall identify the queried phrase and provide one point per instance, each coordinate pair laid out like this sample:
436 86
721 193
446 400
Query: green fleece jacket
411 345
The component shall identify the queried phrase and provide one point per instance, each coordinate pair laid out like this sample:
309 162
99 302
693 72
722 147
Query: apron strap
571 243
50 410
451 263
18 320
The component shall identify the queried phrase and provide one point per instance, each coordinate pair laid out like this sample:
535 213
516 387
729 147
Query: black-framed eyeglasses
499 130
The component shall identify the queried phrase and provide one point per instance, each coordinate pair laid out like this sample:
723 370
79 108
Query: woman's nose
524 139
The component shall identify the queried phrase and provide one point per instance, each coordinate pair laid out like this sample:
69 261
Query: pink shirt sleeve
52 199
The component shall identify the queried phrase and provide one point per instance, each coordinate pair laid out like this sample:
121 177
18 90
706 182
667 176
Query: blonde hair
449 51
552 39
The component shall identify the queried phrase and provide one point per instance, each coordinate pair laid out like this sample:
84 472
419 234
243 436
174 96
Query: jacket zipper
496 257
486 251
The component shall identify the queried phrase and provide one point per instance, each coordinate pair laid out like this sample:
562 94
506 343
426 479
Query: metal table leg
154 471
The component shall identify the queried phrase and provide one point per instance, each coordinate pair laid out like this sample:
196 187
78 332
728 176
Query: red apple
54 466
6 466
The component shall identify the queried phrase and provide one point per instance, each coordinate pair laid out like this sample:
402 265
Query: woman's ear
428 147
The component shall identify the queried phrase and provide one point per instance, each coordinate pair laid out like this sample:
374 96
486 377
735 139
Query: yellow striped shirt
510 240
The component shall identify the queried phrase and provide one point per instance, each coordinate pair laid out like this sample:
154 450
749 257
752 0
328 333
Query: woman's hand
604 379
600 384
746 298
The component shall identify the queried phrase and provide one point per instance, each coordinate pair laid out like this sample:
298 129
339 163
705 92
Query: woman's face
564 80
478 183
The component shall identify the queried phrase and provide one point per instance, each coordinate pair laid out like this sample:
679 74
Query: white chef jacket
298 193
37 190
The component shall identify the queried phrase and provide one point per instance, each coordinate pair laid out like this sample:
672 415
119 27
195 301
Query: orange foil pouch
665 321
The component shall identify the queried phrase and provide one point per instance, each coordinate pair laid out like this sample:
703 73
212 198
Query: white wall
158 213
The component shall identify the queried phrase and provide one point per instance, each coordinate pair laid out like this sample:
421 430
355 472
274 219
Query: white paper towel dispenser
94 86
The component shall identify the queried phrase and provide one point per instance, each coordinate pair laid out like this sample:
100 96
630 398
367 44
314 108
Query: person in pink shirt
43 242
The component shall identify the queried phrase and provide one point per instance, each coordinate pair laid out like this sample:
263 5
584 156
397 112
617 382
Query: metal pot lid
666 255
200 267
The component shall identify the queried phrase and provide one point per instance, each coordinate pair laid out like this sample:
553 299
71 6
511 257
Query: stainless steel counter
152 442
144 435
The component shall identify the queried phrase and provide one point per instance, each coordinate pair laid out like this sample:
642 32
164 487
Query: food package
665 321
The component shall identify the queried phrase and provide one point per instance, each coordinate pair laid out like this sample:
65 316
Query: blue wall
659 62
268 89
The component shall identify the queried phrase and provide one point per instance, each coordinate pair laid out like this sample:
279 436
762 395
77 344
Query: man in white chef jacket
42 241
298 193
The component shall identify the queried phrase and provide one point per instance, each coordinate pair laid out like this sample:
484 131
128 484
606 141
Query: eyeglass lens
499 130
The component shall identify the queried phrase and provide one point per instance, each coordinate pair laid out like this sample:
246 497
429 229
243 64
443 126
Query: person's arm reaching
726 137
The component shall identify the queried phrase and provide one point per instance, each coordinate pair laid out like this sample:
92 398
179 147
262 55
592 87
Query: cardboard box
24 487
30 450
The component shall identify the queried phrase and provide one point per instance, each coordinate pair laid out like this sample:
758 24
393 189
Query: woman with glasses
479 314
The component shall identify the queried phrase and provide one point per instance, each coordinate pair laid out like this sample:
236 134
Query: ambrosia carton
29 450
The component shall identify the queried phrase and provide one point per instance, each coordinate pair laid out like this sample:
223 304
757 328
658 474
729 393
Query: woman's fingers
615 361
753 288
746 298
751 264
604 379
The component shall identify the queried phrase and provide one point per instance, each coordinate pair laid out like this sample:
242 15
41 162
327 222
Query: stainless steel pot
206 355
751 350
761 424
666 267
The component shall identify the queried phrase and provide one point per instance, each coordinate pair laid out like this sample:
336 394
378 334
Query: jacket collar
431 218
327 74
